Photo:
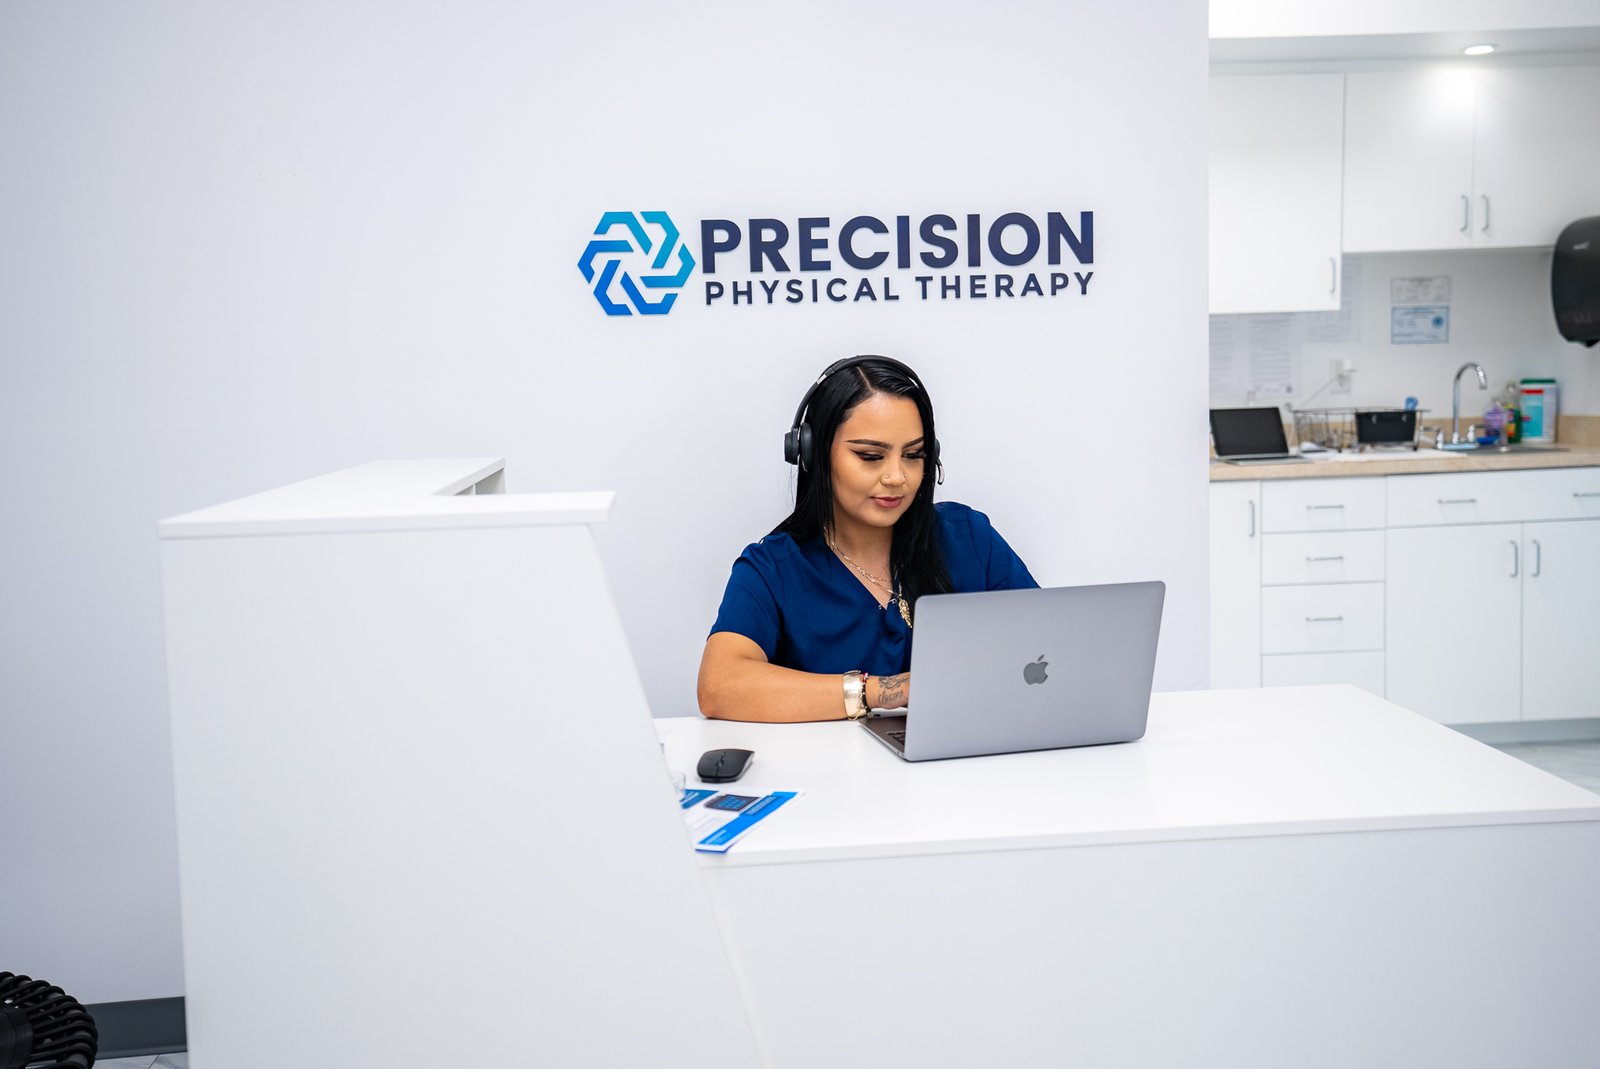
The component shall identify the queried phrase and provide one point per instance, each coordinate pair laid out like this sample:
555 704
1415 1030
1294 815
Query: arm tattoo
892 690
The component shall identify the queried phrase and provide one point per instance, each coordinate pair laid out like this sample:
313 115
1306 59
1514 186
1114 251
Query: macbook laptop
1251 436
1011 670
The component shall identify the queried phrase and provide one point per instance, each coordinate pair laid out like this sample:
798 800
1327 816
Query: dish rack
1335 428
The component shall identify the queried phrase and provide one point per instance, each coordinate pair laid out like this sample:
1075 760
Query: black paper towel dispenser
1575 281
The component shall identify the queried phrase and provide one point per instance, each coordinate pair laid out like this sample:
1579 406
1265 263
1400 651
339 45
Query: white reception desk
1303 877
388 857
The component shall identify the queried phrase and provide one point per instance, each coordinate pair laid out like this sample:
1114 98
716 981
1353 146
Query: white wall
244 244
1500 317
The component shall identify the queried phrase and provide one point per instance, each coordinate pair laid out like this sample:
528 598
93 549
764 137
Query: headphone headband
798 447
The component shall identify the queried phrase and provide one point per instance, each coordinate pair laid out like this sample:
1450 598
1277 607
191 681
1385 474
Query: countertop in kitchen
1407 462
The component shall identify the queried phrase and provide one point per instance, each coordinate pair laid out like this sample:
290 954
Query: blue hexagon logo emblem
634 254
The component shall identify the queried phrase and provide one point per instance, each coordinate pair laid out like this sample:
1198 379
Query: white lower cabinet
1561 620
1235 584
1468 598
1454 622
1335 618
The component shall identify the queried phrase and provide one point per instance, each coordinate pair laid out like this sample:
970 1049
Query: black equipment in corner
43 1027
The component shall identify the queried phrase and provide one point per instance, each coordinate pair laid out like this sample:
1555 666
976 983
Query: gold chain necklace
894 596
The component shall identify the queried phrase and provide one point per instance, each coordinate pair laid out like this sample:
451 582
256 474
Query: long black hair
914 560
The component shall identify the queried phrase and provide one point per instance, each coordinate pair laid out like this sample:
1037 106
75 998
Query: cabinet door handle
1324 619
1458 501
1485 197
1324 506
1538 559
1333 274
1252 519
1516 560
1586 493
1466 212
1310 560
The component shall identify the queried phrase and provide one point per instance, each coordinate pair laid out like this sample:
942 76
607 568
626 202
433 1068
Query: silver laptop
1012 670
1251 436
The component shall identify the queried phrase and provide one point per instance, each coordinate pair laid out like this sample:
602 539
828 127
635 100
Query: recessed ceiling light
1478 50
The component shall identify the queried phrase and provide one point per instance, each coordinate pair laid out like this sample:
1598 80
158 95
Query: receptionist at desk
817 619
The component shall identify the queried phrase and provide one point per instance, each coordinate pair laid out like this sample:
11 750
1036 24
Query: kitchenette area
1405 292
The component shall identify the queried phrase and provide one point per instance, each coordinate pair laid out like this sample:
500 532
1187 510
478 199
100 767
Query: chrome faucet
1455 399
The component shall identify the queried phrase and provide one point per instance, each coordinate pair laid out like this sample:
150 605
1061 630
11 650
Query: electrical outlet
1341 370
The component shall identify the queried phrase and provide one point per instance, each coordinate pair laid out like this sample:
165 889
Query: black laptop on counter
1251 436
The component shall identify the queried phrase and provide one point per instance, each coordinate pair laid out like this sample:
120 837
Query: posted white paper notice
1423 325
1254 357
1422 289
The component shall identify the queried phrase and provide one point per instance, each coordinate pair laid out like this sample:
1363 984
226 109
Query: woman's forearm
737 682
765 693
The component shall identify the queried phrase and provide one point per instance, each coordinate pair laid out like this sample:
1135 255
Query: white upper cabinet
1537 160
1408 160
1275 176
1456 158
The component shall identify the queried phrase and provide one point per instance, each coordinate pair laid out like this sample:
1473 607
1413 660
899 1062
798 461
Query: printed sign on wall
810 260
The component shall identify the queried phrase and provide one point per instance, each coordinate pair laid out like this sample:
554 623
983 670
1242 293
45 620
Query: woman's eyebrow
880 445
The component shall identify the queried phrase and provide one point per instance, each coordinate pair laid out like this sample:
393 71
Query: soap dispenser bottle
1513 413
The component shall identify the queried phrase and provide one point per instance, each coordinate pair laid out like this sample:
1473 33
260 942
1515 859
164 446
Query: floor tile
172 1061
1576 762
144 1061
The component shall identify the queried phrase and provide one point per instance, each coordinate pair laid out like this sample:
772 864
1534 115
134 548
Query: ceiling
1407 47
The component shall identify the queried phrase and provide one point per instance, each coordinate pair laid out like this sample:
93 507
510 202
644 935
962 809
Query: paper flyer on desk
718 819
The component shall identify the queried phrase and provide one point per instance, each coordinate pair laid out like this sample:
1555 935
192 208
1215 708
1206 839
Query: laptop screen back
1248 432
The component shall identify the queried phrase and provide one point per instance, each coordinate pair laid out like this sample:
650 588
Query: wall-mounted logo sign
631 257
765 262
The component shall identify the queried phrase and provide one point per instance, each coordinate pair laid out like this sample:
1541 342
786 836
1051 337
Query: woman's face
878 461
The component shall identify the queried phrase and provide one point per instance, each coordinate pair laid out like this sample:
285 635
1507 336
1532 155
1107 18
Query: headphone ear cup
791 445
805 447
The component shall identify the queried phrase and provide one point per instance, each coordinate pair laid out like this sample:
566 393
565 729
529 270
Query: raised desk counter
1270 877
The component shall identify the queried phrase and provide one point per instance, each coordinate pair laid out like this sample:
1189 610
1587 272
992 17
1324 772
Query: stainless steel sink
1506 449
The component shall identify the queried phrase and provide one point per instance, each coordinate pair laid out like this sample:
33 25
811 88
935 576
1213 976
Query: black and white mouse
723 766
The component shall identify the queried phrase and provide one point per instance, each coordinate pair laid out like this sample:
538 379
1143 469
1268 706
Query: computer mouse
723 766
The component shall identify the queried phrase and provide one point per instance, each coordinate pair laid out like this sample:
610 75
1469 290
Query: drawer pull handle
1324 619
1312 560
1587 493
1458 501
1324 506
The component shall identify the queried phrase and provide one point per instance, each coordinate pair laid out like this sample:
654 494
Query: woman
817 618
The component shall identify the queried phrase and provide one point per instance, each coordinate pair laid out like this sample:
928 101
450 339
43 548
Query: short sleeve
1002 568
749 604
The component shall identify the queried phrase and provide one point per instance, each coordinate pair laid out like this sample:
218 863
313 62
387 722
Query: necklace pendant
905 610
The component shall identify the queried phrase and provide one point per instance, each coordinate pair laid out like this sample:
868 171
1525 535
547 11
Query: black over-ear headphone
798 446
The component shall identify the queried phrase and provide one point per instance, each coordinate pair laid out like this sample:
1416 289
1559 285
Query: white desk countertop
389 495
1213 764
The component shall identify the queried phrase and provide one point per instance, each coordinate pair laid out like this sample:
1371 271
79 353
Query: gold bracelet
855 695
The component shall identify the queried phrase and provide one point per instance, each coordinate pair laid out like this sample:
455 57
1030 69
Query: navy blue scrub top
807 610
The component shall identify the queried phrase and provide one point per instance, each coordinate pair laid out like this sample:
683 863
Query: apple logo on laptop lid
1034 671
